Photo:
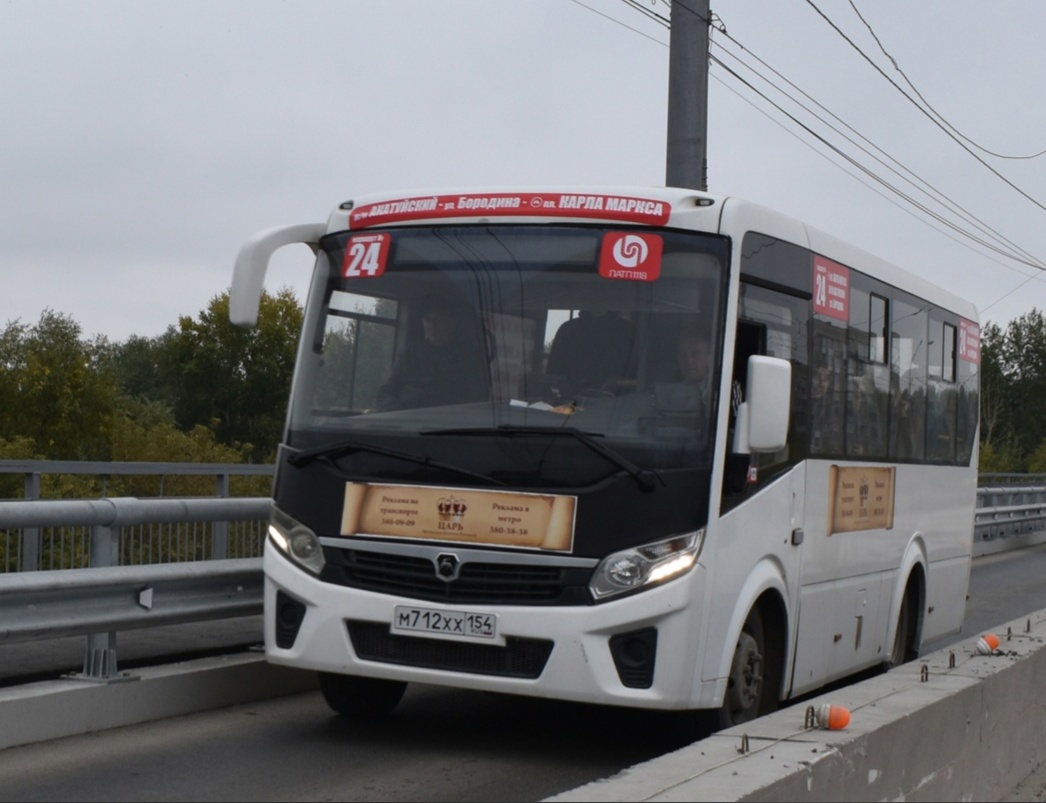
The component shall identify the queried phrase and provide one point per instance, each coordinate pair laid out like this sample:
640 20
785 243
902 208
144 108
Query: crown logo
451 508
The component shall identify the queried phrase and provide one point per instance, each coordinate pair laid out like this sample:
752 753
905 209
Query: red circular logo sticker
631 255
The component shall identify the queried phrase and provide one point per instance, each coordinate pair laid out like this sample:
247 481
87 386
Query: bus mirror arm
252 262
740 444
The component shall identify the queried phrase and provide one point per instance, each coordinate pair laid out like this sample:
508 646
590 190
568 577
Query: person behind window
694 355
688 390
826 412
591 351
447 367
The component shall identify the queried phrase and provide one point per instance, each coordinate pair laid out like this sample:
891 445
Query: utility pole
687 161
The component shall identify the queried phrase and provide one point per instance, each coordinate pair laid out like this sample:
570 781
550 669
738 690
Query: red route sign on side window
831 289
969 341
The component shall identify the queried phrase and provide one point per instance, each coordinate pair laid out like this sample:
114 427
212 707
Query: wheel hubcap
746 679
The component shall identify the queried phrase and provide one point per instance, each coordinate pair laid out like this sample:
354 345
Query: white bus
645 447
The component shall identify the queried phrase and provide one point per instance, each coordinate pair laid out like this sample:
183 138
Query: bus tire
361 698
903 649
749 692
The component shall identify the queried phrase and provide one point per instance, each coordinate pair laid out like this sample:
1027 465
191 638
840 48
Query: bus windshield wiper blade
333 450
645 478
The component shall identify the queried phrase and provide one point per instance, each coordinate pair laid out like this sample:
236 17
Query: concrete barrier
52 709
929 730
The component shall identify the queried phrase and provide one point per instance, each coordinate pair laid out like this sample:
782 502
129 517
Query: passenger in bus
826 412
448 366
591 351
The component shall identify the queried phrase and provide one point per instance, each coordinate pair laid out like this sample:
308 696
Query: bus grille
519 658
492 583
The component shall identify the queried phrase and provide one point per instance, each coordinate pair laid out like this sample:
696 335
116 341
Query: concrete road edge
925 731
954 725
52 709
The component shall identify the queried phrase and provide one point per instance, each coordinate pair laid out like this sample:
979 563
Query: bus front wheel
357 697
748 685
751 690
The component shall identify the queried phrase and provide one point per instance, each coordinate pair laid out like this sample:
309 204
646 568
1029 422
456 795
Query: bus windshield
422 336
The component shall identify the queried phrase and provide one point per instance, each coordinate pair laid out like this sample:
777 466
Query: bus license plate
442 622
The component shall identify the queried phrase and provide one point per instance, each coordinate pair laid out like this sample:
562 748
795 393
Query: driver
446 367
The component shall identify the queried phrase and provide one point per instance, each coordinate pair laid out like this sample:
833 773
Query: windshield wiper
645 478
330 451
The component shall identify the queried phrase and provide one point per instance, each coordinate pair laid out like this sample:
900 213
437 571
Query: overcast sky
142 141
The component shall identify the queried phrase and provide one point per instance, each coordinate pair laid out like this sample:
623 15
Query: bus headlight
296 541
647 565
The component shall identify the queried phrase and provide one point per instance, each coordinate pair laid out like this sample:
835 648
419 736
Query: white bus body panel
580 667
751 552
853 582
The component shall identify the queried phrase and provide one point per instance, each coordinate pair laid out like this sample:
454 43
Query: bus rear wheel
361 698
903 649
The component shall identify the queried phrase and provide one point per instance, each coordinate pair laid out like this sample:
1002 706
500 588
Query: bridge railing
1009 510
108 596
94 567
68 546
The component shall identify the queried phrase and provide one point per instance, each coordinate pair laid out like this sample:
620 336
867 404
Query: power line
648 12
923 111
897 67
932 191
618 22
952 207
872 175
1027 277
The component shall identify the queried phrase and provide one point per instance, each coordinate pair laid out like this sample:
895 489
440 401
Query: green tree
146 433
56 389
12 486
234 381
998 446
138 364
1015 379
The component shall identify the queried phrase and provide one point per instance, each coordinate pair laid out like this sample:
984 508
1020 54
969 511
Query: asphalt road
440 744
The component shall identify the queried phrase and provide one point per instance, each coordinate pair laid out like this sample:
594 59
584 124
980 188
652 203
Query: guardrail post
220 529
30 549
100 657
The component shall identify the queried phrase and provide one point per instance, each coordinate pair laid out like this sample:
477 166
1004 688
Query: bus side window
751 339
774 324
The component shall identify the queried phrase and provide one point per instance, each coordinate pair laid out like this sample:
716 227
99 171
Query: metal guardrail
106 597
1005 511
79 602
38 547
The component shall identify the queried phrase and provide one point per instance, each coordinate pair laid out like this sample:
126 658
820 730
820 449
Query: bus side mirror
248 277
763 419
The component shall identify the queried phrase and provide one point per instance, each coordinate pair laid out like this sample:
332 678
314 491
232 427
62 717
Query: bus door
763 496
